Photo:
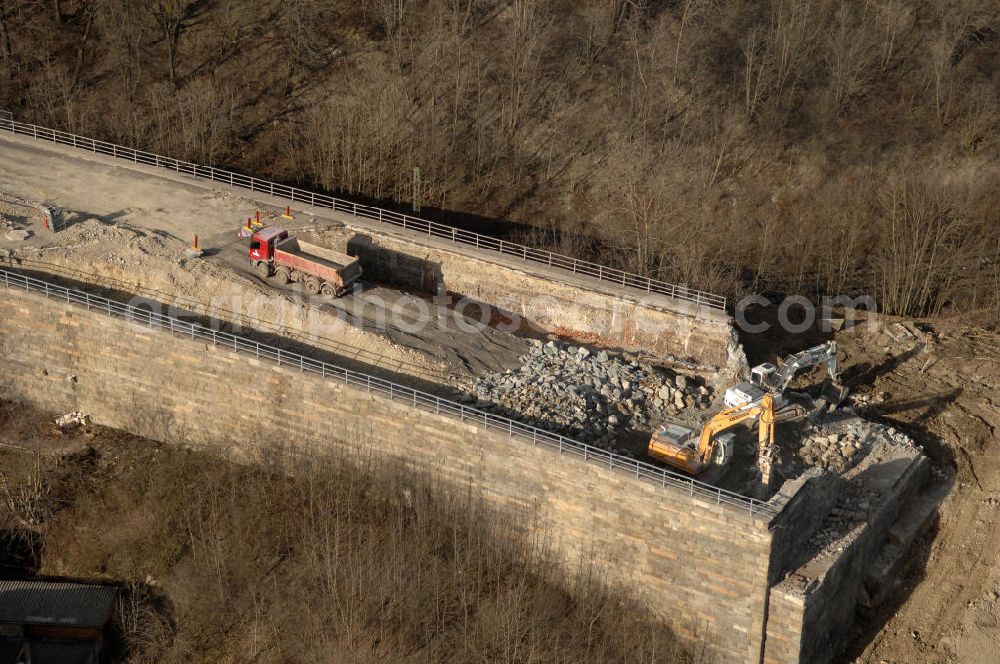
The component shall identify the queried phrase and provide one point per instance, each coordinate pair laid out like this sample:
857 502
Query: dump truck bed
331 256
323 262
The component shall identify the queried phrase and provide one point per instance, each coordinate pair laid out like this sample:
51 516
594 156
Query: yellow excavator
693 453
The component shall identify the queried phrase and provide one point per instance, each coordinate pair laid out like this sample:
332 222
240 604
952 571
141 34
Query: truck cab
262 243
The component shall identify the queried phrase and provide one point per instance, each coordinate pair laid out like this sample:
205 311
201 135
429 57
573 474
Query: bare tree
599 18
892 18
756 69
88 9
304 30
392 15
171 16
122 26
980 118
4 33
849 59
942 78
956 20
523 54
791 38
24 492
724 156
925 244
691 10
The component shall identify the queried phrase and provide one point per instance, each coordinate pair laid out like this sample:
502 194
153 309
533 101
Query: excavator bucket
833 393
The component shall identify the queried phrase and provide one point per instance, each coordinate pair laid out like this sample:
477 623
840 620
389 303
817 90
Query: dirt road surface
92 192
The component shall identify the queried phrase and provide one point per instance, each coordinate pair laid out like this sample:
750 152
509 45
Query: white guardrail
434 229
394 391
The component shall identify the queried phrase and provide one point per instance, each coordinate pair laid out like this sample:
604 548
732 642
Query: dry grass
277 559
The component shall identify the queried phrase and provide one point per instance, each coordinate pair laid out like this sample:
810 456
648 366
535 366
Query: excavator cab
762 378
761 374
723 448
678 446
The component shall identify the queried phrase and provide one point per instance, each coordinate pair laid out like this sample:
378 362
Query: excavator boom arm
823 354
767 453
677 452
728 419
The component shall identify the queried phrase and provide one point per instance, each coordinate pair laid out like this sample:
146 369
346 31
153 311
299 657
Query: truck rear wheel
313 286
264 270
282 276
328 289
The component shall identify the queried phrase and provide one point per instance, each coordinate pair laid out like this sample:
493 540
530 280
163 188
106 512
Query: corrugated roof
56 603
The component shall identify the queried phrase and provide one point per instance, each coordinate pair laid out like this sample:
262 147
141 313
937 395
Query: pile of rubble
839 451
11 230
590 396
851 511
834 451
856 500
71 421
867 404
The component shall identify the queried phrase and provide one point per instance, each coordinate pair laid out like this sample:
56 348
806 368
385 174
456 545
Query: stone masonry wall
785 629
809 499
702 567
810 621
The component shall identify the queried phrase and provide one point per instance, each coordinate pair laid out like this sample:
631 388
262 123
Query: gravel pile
588 395
831 537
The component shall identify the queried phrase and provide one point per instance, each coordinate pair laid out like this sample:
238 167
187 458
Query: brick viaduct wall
703 567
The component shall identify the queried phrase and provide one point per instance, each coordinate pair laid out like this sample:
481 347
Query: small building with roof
54 622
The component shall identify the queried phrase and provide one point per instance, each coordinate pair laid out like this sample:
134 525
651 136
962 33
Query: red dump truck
276 255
